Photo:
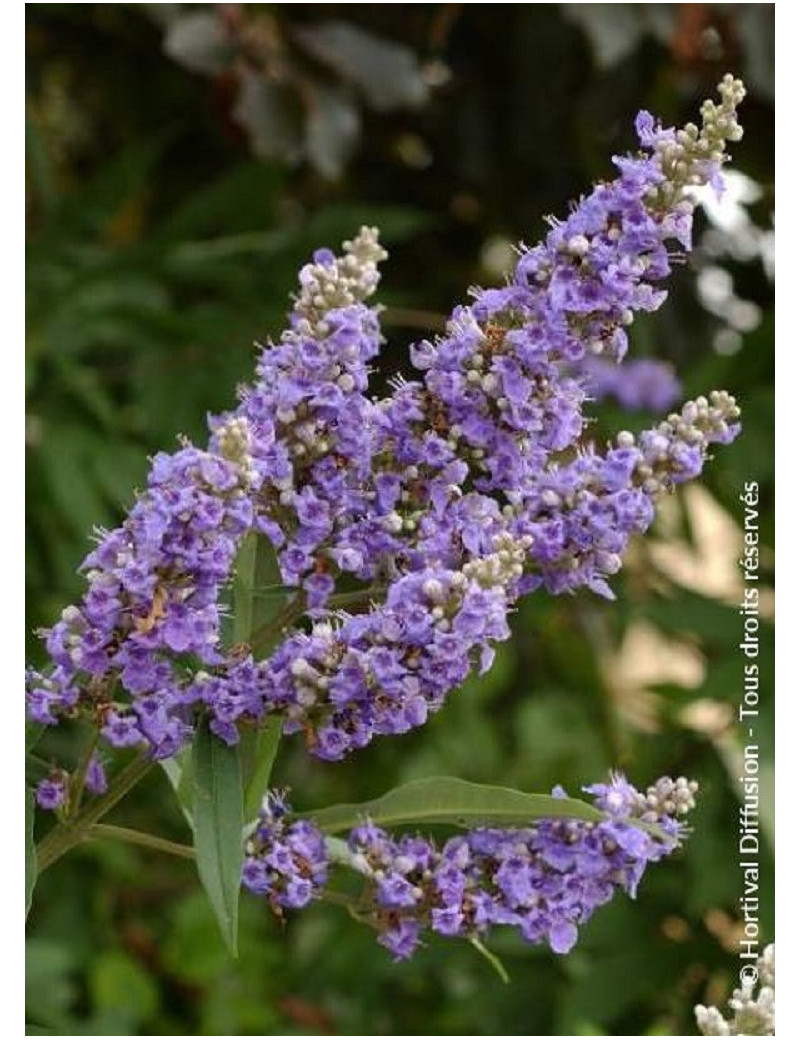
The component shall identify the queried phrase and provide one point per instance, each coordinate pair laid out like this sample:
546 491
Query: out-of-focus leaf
269 114
33 734
30 848
40 167
89 212
613 30
49 988
123 993
192 949
65 462
388 73
396 223
240 200
757 38
218 823
332 128
691 614
199 42
447 799
616 30
179 771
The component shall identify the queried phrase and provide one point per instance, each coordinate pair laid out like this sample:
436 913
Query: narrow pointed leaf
179 773
30 848
257 593
243 582
218 822
257 569
33 733
261 748
446 799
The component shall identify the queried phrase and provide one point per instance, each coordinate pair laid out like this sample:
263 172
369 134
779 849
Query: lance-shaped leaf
30 848
446 799
259 750
218 821
179 773
256 571
33 733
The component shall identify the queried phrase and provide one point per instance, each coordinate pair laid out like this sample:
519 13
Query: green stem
349 904
339 852
361 597
79 776
65 836
492 958
131 837
264 637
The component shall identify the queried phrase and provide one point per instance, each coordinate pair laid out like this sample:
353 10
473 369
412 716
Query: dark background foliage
182 161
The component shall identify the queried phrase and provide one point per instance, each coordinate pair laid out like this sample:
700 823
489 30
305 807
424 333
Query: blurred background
183 160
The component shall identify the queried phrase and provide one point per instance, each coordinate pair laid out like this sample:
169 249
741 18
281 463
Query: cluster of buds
331 283
685 156
752 1004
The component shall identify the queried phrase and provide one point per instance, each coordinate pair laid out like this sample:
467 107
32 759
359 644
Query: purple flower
51 793
401 939
96 781
284 860
642 384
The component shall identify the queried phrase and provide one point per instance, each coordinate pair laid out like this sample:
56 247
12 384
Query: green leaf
257 593
30 849
218 822
122 991
243 581
179 773
256 570
446 799
259 750
33 733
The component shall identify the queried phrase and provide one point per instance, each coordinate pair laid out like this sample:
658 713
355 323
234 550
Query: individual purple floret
51 793
544 880
644 384
284 860
96 780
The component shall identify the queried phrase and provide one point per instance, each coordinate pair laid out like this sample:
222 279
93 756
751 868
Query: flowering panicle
544 880
501 396
444 503
310 419
154 586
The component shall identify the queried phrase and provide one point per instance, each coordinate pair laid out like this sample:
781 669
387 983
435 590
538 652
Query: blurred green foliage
160 249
